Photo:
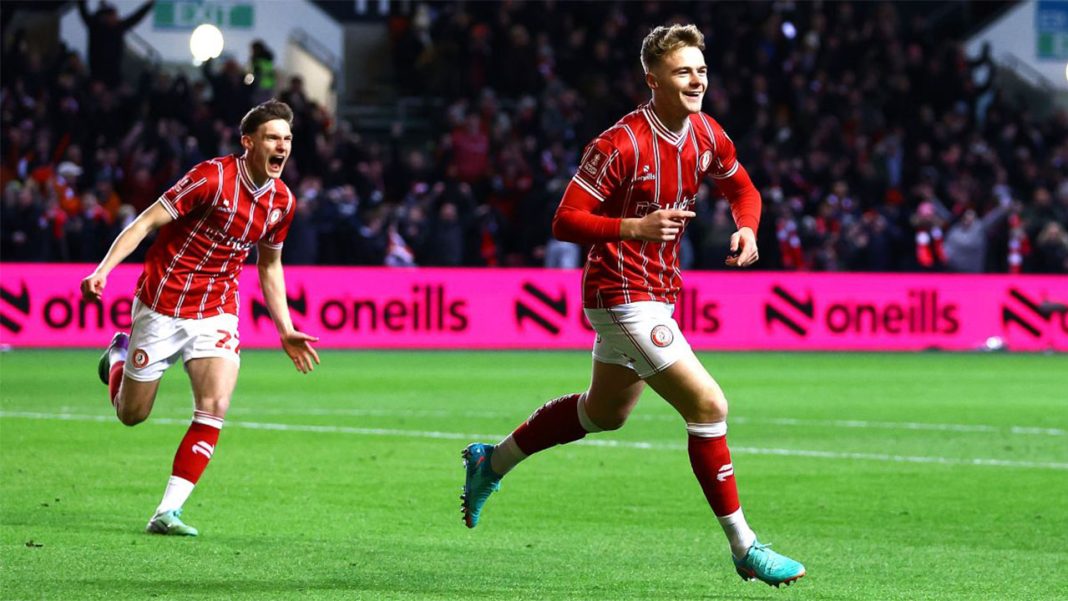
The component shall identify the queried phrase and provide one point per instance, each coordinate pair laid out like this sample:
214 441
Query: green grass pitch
890 476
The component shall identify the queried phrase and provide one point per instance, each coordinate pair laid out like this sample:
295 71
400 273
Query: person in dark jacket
107 38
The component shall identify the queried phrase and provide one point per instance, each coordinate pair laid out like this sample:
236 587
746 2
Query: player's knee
131 417
710 409
610 421
216 406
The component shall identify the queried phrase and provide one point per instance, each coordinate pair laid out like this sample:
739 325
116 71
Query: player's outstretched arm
272 281
153 218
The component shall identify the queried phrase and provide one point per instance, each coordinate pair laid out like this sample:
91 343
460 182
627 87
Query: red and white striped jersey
192 268
634 168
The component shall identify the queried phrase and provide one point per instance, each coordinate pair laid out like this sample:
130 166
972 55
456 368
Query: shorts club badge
662 336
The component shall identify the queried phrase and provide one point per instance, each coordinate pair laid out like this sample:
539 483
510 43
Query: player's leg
613 392
133 375
212 364
692 391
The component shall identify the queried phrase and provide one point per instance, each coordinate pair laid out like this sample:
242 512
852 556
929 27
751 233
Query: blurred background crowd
876 143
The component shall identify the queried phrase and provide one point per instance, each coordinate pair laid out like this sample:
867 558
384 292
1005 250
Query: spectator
261 68
107 39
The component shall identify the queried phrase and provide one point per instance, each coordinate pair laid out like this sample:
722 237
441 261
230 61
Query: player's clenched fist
93 286
743 248
659 226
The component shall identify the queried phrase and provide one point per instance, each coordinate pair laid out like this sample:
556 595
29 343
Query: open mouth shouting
275 162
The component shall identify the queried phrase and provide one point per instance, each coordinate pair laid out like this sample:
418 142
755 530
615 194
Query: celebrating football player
187 299
631 200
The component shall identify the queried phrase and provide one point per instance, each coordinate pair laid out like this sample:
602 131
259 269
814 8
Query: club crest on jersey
662 336
276 214
706 160
140 358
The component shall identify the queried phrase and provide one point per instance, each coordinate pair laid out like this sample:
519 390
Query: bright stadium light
206 43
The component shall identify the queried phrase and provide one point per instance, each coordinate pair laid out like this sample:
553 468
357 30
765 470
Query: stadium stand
877 144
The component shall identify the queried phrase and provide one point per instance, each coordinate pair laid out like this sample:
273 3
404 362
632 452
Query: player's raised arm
153 218
296 344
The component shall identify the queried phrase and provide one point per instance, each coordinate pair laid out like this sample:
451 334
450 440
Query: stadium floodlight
206 43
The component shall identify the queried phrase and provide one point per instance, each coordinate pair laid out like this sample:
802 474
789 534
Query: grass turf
344 484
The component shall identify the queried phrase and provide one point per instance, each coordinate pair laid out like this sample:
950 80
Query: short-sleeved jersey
634 168
191 270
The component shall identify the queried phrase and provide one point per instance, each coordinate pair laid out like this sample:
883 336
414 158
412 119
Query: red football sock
711 462
114 380
555 422
197 447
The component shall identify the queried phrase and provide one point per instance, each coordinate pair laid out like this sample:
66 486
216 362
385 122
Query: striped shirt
191 271
634 168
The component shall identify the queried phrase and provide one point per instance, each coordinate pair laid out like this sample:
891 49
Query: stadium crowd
876 143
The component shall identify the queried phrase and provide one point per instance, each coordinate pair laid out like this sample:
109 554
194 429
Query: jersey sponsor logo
706 160
226 239
662 336
725 472
686 203
140 358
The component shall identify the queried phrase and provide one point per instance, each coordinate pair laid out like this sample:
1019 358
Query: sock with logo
115 380
192 458
711 462
560 421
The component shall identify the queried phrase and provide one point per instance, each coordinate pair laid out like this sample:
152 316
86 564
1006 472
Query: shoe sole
749 577
464 509
103 367
150 529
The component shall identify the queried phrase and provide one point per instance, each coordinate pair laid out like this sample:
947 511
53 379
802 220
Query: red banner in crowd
541 309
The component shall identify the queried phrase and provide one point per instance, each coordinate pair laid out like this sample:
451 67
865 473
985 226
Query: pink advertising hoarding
541 309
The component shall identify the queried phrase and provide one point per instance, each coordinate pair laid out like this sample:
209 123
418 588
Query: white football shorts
157 340
642 336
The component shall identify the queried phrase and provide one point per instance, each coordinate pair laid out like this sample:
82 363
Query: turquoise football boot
480 482
116 351
170 522
761 563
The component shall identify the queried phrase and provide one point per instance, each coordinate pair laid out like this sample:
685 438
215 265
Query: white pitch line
977 461
775 421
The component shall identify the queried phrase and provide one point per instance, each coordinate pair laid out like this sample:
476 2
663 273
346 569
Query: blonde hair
665 40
